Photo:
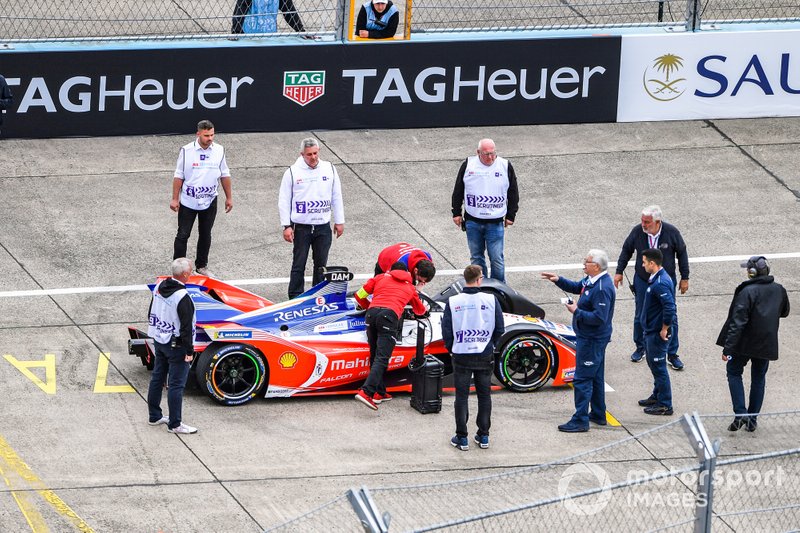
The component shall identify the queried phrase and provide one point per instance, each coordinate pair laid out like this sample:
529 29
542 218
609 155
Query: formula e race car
247 346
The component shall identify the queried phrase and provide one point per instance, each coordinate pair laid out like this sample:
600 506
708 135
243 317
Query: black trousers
186 216
316 238
381 331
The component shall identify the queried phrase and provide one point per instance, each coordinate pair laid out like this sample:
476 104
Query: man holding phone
592 317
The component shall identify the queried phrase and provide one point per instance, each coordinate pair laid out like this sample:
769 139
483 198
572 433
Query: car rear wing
141 346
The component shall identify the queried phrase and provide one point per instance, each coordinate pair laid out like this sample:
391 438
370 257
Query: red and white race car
247 346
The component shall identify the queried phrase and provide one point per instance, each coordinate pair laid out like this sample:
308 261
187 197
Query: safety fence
333 19
690 474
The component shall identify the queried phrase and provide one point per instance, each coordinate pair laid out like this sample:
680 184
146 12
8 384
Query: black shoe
598 421
571 427
737 424
647 402
637 356
675 362
658 410
752 425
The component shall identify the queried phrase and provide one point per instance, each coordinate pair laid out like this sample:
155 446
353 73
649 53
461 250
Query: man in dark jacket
751 334
471 327
377 19
657 318
592 317
653 232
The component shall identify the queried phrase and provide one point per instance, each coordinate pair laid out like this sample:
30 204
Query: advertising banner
710 75
317 86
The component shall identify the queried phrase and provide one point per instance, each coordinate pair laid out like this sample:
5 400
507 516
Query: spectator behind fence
592 317
201 164
750 334
310 193
261 16
377 19
486 186
471 327
6 98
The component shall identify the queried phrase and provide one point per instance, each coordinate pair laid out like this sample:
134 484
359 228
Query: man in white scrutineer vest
194 192
487 188
172 325
310 192
471 327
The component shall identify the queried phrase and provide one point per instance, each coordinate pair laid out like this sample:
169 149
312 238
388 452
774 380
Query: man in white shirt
201 164
310 192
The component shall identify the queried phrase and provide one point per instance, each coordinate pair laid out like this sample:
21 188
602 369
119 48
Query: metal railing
79 20
688 474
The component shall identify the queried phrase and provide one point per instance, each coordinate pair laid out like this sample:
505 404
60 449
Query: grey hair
308 143
181 265
483 141
600 258
652 211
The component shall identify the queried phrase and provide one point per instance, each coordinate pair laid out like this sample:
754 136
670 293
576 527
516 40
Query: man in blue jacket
471 327
592 316
653 232
658 314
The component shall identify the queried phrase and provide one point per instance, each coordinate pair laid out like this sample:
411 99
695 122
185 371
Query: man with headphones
750 334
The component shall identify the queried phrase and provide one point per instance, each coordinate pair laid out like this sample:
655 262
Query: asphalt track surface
76 452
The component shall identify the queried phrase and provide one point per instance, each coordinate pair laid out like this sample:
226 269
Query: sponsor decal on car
568 374
220 335
287 360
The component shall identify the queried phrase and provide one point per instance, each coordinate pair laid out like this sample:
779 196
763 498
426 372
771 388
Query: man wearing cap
378 19
653 232
750 334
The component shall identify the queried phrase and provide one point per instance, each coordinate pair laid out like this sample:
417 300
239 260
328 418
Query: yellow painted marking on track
32 516
100 386
49 365
612 421
15 463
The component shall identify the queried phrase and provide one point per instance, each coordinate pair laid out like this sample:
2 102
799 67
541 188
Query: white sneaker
183 429
204 271
162 420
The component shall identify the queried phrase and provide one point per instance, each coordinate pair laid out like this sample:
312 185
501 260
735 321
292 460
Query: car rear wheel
232 374
525 362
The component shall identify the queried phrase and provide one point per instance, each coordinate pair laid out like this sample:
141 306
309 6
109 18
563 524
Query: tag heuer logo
303 86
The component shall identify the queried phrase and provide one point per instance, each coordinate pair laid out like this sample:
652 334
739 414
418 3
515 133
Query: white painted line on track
277 281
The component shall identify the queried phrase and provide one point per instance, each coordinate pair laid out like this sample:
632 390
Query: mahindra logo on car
360 362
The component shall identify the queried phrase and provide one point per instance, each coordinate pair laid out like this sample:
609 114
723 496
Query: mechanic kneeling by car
391 292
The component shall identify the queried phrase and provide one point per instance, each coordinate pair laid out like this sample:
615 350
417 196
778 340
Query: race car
247 346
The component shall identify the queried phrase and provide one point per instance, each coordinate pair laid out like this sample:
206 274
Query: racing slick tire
232 374
525 362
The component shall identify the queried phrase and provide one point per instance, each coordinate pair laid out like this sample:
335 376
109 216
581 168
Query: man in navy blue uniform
653 232
658 314
592 316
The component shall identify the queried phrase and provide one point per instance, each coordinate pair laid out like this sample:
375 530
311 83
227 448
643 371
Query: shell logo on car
287 360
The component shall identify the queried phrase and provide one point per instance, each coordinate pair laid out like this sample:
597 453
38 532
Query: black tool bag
426 378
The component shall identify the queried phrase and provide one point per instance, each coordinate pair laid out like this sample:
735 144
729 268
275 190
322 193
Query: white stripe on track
276 281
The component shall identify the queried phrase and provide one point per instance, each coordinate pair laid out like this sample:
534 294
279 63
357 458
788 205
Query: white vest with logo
486 188
314 193
164 321
473 322
200 170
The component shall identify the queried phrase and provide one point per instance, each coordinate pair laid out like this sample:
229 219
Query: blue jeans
758 381
589 382
656 349
487 237
640 286
483 382
317 238
169 362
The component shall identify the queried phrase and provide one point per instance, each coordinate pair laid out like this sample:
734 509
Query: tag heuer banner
313 86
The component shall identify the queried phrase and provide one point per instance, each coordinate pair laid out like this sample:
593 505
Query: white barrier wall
709 75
